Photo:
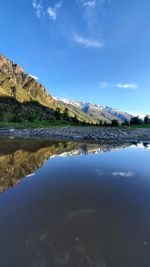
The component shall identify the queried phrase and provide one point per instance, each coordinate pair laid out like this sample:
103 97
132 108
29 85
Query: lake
69 204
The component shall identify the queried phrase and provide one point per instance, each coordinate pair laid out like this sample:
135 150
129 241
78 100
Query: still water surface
65 204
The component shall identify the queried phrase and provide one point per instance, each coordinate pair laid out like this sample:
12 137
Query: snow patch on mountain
106 111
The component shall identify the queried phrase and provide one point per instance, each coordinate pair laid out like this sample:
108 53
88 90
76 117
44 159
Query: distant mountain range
21 93
99 112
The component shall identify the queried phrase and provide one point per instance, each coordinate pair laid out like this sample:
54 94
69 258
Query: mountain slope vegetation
22 98
22 94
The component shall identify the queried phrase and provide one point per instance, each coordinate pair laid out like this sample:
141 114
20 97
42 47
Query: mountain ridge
25 93
107 112
16 84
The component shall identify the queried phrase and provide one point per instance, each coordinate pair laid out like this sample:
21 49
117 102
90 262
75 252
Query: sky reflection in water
89 209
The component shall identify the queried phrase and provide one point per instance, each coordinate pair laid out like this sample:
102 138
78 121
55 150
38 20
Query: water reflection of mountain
20 158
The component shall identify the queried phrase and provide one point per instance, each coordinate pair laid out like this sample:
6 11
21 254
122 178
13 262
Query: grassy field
142 126
58 123
35 124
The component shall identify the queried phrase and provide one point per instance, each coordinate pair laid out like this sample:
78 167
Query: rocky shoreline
91 134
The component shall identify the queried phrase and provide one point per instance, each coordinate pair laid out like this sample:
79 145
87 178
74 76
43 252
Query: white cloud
127 85
53 11
103 85
86 41
37 5
58 5
90 3
131 86
123 174
116 173
34 77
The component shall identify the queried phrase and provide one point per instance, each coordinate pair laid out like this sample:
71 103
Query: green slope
20 91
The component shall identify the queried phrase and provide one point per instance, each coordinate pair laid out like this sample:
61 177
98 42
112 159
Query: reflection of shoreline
21 158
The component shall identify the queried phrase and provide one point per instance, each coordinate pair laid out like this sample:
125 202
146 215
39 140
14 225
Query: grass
142 126
58 123
35 124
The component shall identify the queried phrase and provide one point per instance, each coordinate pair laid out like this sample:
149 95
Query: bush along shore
91 134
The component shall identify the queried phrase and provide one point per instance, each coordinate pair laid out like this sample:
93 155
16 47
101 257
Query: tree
114 123
75 119
1 114
66 114
17 114
146 119
125 123
136 121
105 124
57 114
30 117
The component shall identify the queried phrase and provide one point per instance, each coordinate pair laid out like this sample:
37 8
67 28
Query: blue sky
92 50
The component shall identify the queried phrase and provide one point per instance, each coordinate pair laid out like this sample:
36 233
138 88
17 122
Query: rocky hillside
14 82
23 98
21 93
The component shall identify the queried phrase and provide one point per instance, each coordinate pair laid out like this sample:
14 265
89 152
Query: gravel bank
81 133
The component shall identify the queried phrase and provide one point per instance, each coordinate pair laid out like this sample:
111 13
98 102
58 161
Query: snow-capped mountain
99 112
77 104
